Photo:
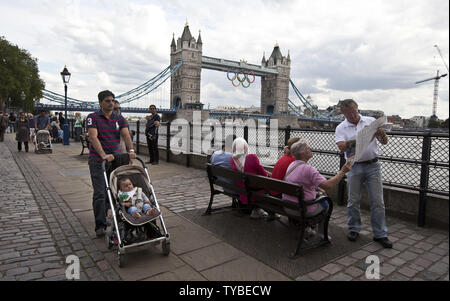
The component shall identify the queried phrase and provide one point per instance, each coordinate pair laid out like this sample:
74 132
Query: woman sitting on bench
301 173
244 162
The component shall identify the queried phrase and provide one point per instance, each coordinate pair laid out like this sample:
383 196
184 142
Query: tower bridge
184 71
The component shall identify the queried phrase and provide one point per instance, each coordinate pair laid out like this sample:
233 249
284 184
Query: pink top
251 165
309 178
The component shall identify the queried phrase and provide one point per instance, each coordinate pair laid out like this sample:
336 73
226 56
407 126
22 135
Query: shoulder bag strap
293 168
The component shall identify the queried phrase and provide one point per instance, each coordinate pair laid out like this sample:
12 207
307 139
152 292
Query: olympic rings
241 78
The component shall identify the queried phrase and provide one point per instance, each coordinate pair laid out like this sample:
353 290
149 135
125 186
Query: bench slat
230 187
270 184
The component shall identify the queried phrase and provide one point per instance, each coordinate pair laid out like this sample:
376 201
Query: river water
399 147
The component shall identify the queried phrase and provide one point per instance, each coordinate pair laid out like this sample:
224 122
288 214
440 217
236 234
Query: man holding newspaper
355 137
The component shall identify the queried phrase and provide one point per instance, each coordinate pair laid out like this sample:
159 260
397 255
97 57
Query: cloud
372 51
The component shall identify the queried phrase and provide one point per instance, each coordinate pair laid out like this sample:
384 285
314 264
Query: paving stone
428 276
103 265
318 275
332 268
55 272
396 261
92 272
360 254
303 278
97 256
406 271
389 252
439 251
423 245
416 267
423 262
416 237
397 277
111 275
4 267
17 271
439 268
347 261
354 272
431 256
44 267
87 262
386 269
339 277
30 276
408 241
408 255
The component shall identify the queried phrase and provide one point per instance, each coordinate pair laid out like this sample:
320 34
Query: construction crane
436 86
437 47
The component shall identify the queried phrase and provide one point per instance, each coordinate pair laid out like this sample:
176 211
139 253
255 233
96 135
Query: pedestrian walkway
50 217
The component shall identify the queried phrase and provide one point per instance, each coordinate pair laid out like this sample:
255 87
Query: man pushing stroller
105 129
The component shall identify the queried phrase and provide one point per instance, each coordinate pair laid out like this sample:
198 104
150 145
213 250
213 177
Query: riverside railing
417 161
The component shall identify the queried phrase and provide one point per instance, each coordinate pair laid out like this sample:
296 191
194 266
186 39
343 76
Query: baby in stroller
134 200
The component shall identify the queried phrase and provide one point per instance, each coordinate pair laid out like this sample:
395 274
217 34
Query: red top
251 165
280 168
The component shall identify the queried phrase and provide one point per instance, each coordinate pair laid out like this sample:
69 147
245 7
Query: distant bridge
92 108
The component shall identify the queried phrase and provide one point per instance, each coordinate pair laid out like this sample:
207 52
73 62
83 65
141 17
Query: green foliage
18 72
434 123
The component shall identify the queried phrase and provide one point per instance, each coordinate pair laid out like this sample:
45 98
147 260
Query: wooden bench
257 189
84 142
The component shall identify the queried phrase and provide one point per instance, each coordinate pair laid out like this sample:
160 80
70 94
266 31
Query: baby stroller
42 142
128 231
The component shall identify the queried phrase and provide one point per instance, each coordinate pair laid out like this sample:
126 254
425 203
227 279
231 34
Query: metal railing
417 161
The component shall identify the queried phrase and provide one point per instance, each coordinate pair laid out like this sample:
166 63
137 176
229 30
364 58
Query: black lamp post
65 74
22 96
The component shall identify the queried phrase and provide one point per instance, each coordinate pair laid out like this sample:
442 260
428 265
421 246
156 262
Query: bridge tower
275 87
185 82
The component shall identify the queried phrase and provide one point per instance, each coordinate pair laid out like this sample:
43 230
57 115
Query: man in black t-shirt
151 133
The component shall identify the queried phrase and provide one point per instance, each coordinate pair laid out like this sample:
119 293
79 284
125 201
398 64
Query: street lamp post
22 96
65 74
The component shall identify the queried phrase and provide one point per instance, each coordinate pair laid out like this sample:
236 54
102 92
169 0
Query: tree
434 123
18 72
445 124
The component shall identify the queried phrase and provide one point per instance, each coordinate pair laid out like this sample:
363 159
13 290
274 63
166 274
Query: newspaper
356 148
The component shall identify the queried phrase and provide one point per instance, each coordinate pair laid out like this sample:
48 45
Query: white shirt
347 131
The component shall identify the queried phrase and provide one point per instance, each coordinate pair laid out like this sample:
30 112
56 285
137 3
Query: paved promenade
46 215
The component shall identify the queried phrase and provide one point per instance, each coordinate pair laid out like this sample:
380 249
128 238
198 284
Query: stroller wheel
166 247
120 261
109 243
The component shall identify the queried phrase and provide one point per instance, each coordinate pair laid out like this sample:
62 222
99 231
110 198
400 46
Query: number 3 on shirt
89 121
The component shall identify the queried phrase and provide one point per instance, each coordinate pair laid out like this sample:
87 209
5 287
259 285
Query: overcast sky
371 51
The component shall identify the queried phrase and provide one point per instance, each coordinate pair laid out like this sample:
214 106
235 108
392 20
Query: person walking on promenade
42 122
31 126
23 132
122 146
61 120
12 122
151 132
78 126
105 129
367 170
3 125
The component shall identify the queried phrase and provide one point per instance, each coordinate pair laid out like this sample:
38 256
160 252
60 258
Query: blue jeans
134 209
370 174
